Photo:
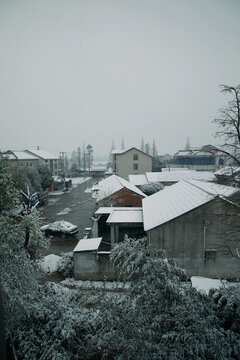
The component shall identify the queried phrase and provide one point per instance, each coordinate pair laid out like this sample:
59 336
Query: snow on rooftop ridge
118 151
172 202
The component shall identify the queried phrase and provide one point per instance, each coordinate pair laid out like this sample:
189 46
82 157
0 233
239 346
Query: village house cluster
194 219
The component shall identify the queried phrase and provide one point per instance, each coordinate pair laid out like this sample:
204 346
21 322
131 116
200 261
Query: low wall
94 266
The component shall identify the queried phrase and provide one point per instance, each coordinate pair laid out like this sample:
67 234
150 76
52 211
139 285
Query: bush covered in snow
65 264
151 188
58 326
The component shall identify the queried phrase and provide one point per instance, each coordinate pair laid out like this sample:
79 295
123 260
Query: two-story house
131 161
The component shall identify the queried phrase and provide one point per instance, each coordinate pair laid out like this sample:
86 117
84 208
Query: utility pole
84 158
62 163
79 158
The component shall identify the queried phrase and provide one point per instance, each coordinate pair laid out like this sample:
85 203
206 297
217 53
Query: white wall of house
132 161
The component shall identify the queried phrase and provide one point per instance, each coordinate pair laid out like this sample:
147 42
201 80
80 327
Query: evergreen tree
154 149
147 148
142 146
79 162
187 146
110 157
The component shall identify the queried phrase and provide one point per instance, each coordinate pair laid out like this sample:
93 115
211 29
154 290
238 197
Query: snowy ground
95 285
79 180
64 211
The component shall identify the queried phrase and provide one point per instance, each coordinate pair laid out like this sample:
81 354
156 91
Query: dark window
210 254
135 156
135 166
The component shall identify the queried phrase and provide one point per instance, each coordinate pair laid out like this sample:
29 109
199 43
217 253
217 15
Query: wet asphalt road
75 206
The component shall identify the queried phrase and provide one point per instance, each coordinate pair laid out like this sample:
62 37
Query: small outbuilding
91 264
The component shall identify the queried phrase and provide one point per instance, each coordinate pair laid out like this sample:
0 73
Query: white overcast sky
92 71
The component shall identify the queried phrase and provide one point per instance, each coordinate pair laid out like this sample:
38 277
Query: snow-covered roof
228 171
22 155
116 152
113 184
43 154
88 245
108 210
175 169
178 199
138 179
128 215
215 189
203 151
175 176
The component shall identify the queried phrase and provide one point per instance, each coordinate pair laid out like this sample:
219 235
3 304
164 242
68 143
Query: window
135 166
135 157
210 254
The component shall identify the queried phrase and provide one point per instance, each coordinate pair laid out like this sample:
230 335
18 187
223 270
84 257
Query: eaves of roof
125 151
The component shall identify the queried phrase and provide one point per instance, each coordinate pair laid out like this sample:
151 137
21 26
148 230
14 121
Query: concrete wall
199 247
124 163
93 266
124 198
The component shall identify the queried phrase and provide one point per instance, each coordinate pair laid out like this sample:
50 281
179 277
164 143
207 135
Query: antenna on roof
38 147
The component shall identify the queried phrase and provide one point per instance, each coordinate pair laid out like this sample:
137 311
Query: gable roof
180 198
113 184
119 152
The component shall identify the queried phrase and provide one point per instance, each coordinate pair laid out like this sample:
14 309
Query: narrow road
75 206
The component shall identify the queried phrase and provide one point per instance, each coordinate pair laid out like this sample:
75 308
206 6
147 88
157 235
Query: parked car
62 228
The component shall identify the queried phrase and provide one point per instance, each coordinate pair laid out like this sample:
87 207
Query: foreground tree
228 121
160 317
41 322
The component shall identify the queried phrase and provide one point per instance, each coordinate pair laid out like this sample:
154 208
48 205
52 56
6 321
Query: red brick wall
122 198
